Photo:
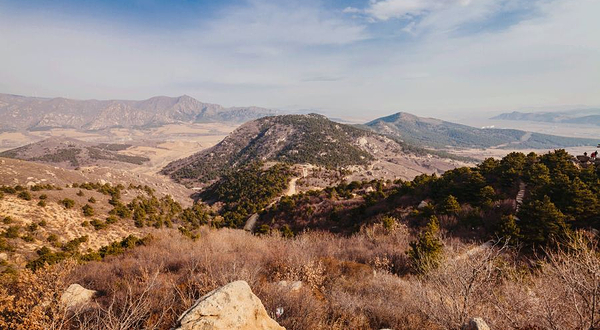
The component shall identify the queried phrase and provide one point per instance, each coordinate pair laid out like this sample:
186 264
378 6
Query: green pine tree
509 229
426 252
449 206
541 222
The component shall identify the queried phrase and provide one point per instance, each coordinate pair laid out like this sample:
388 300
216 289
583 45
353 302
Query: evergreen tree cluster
247 191
559 195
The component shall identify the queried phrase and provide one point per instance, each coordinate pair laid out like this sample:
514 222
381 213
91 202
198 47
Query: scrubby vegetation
478 202
70 155
102 154
325 143
26 195
75 153
40 187
88 211
425 253
67 203
113 146
71 250
355 282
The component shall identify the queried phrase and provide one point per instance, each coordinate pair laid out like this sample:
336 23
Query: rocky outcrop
76 296
231 307
476 323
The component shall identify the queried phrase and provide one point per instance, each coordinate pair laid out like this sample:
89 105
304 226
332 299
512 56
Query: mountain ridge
575 116
440 134
32 113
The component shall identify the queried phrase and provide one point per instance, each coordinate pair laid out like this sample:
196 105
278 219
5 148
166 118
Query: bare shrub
143 306
569 286
459 288
296 307
337 273
32 300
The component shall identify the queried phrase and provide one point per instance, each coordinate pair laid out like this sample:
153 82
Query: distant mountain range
302 139
578 116
439 134
33 113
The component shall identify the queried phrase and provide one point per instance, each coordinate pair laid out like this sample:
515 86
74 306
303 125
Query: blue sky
358 58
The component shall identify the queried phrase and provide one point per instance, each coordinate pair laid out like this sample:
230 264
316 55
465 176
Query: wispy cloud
273 24
439 16
387 9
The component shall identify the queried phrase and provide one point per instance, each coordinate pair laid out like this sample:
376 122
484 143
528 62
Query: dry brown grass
349 283
340 288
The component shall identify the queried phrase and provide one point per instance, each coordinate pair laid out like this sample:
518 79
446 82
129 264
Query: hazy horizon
355 58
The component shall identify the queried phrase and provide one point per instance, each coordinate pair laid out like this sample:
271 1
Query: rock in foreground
76 295
232 307
476 324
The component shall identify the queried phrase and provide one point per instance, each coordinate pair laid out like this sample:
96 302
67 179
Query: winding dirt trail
520 195
291 190
292 187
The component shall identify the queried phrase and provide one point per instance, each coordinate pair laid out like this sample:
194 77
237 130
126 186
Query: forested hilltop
534 200
291 138
303 139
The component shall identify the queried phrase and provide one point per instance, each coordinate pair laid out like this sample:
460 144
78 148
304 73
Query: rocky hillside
32 113
303 139
435 133
71 153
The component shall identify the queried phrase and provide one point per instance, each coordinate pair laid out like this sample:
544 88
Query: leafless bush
32 300
569 286
133 308
459 288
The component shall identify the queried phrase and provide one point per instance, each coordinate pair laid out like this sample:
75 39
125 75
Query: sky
353 58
